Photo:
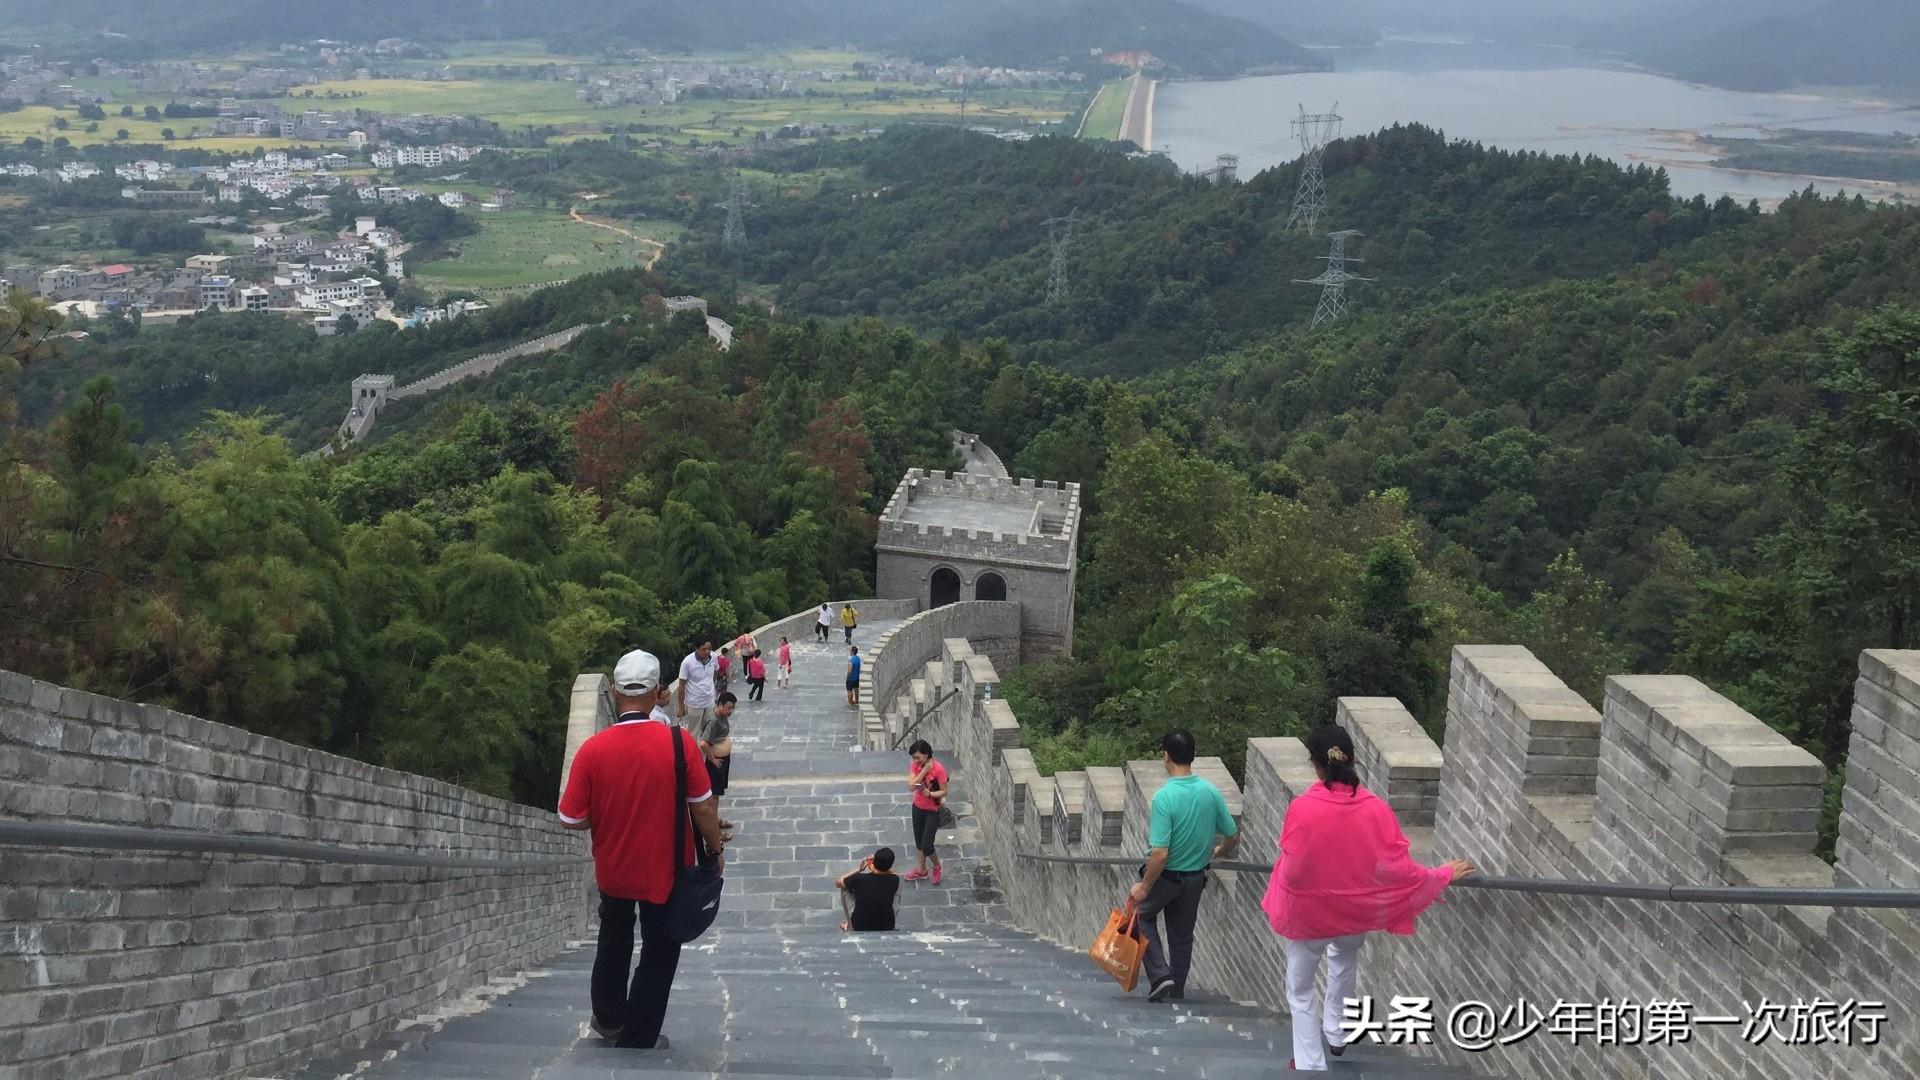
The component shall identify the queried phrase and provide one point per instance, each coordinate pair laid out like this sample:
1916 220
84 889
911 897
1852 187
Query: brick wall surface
1669 783
897 659
156 964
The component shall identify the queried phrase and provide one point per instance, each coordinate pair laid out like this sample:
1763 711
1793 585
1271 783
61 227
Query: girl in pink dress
783 676
1343 872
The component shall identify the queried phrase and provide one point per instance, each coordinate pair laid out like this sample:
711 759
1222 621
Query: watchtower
962 536
370 393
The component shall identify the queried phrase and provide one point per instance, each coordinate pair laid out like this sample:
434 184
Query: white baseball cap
636 673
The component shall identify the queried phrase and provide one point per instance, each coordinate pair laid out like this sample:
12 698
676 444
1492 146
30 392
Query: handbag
1121 947
695 899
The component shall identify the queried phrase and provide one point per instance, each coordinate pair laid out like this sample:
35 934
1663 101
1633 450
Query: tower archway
945 588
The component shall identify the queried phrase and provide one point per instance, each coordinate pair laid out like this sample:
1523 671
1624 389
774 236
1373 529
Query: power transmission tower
1059 231
734 238
1315 131
1333 280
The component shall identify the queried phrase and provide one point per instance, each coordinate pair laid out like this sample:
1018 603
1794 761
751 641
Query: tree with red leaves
837 442
609 437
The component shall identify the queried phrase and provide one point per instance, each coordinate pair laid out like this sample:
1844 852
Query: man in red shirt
622 787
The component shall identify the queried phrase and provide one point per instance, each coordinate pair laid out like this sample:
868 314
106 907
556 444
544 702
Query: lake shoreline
1554 101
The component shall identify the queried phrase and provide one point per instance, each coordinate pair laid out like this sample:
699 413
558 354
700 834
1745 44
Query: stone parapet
899 680
156 964
1670 784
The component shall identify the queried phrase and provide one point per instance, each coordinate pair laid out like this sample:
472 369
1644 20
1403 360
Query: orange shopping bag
1120 948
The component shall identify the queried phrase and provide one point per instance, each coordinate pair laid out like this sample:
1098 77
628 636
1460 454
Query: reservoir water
1516 98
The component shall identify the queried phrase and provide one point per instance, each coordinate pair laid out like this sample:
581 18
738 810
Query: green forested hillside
1642 435
1707 465
427 602
946 231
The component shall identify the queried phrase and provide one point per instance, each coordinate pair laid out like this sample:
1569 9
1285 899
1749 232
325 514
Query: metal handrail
915 726
135 838
1753 895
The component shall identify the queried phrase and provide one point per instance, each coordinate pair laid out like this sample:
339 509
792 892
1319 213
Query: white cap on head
636 673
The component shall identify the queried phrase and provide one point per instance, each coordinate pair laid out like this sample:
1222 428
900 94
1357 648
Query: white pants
1310 1025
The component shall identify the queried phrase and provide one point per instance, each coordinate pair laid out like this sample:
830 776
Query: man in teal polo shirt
1188 811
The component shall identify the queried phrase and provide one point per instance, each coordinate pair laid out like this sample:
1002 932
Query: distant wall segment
140 962
1669 783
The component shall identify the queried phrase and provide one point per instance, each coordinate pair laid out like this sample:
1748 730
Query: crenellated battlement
988 518
1668 783
948 537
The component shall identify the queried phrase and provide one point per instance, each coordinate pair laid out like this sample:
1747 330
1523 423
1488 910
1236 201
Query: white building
454 199
216 292
383 158
254 298
363 225
317 295
356 140
431 157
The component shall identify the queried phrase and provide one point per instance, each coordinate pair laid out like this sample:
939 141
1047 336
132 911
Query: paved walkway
776 989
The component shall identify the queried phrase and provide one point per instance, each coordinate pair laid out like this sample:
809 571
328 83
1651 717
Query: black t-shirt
873 900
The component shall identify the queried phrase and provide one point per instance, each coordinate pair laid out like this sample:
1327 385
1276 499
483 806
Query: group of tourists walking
1344 870
649 789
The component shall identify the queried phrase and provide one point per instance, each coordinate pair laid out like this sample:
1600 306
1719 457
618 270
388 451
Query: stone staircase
776 989
795 1001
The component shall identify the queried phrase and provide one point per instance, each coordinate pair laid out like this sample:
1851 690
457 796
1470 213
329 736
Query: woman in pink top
1343 872
783 676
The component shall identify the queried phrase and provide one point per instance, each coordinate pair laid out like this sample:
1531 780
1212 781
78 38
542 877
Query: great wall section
186 899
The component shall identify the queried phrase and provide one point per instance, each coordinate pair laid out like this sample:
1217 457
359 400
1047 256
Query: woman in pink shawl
1343 871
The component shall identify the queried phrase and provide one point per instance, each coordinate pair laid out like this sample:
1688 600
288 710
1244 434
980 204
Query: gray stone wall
1044 594
1670 783
889 700
156 964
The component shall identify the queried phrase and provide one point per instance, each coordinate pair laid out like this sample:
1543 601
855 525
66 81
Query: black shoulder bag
696 889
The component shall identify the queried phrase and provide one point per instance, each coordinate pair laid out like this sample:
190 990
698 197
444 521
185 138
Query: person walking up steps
621 787
928 779
715 737
824 624
853 675
849 619
1343 872
696 690
756 677
1188 811
784 672
723 670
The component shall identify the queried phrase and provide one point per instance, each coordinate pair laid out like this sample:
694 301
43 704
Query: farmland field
518 248
36 121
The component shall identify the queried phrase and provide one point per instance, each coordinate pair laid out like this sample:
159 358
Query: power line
1333 280
1315 131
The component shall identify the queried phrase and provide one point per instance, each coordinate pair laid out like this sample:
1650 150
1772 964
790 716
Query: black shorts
926 829
717 775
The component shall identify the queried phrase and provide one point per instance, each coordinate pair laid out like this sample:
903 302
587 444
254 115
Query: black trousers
757 689
638 1009
1177 897
926 829
717 775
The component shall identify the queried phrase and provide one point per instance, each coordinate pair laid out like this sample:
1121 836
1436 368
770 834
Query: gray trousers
1177 898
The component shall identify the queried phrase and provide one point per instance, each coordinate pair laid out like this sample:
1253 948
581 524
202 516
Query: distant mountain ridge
1839 43
1008 32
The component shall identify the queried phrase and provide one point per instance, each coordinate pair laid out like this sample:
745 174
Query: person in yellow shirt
849 619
